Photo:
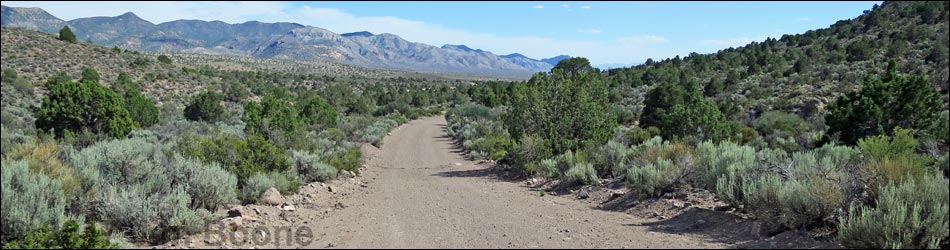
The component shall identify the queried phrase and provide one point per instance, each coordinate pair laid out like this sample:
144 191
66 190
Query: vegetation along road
418 191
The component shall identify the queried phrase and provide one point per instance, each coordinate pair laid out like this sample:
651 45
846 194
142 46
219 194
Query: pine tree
86 105
66 34
882 105
205 107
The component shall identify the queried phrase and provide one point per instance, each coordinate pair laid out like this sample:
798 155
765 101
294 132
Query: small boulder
272 197
617 194
233 223
288 207
331 188
583 194
234 212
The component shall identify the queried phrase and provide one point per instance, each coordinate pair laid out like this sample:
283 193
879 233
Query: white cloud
585 7
565 6
538 7
734 42
592 31
643 39
802 19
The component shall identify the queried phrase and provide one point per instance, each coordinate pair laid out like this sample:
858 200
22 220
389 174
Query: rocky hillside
30 18
802 73
278 40
36 57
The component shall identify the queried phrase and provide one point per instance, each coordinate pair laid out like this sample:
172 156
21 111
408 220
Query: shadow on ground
721 227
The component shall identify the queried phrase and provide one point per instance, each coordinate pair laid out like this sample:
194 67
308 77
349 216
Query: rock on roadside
272 197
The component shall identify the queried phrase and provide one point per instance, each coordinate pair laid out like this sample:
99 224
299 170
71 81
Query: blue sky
604 32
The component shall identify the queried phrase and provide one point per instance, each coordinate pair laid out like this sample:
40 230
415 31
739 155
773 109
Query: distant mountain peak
130 15
359 33
283 40
460 47
514 55
556 59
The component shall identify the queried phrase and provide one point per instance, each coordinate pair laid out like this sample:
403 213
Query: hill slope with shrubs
123 146
839 131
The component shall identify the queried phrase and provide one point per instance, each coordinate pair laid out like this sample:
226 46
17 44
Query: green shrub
651 150
89 74
144 190
210 186
205 107
350 160
530 150
148 216
944 164
375 132
276 118
908 215
901 144
70 237
72 106
30 200
780 121
548 168
491 144
747 135
66 34
581 173
567 161
44 158
892 159
241 157
310 168
10 138
316 111
940 130
471 110
573 90
285 182
882 105
611 158
8 76
637 135
262 155
142 110
164 59
654 179
124 86
762 196
725 168
56 79
255 186
24 86
809 203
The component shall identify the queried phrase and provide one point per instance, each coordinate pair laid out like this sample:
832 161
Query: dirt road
423 194
417 191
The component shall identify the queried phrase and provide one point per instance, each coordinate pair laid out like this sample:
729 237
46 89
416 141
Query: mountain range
281 40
